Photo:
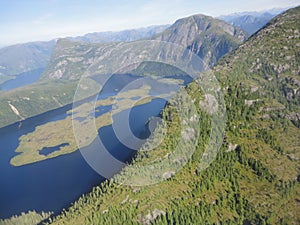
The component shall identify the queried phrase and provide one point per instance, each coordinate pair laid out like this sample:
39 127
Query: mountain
71 59
255 177
121 36
251 22
20 58
209 38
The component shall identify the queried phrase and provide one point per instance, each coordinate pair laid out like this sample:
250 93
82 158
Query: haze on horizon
25 21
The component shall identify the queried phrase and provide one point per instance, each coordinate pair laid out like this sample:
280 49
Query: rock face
147 219
209 38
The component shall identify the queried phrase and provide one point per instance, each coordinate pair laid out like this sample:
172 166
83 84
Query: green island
59 132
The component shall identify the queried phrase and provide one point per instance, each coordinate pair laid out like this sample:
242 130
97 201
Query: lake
22 79
53 184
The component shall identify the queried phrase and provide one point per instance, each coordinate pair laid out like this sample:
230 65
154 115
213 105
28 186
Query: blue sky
31 20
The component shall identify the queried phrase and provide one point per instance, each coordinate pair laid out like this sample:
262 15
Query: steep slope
255 177
71 59
20 104
207 37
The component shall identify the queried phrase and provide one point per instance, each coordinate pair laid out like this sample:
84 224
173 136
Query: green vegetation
30 218
32 100
59 132
70 61
256 181
255 176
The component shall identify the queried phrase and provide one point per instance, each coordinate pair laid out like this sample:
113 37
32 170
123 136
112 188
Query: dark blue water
22 79
54 184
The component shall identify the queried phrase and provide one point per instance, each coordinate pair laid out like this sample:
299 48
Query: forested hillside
255 177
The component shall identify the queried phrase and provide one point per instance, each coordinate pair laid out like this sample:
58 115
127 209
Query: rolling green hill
255 177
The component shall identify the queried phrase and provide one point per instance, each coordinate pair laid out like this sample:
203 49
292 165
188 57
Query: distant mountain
71 59
251 22
206 36
121 36
20 58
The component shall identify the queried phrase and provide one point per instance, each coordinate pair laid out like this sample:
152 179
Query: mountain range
20 58
207 37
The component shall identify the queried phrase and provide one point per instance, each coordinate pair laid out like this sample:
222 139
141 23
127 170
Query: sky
38 20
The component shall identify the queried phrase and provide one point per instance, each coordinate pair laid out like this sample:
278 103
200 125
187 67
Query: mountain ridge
205 36
23 57
200 34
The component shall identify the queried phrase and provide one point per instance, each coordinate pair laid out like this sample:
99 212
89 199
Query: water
53 184
22 79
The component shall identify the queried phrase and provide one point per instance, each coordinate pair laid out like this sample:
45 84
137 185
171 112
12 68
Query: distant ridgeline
20 58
